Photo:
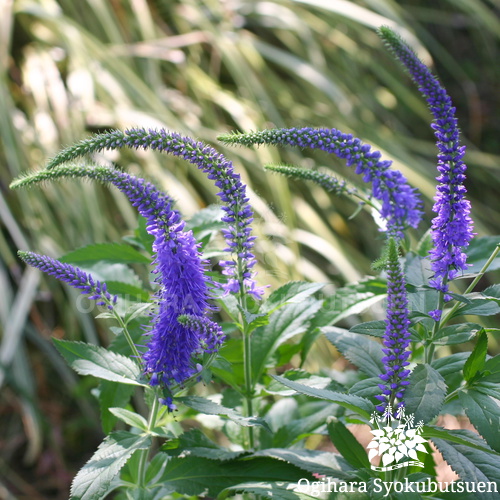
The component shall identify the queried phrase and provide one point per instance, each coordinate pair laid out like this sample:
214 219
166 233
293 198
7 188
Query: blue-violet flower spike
400 204
397 335
74 276
452 228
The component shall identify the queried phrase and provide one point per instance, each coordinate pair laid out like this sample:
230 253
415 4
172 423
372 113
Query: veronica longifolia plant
407 370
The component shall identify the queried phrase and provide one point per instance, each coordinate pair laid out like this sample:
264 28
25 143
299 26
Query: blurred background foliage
203 67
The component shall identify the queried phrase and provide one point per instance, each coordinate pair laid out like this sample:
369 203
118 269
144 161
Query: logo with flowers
395 440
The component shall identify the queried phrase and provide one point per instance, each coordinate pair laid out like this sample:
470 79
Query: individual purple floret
452 228
73 276
400 204
397 335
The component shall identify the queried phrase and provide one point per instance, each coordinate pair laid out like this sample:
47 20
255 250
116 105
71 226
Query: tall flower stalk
452 227
397 336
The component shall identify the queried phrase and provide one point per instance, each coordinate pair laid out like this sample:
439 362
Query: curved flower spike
452 228
74 276
400 204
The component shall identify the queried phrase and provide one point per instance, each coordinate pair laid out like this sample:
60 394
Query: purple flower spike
183 285
400 204
397 335
452 228
74 276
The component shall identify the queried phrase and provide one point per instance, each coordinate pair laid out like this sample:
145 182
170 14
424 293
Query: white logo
396 439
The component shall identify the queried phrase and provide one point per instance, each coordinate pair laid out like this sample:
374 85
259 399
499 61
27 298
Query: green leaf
347 445
195 444
269 489
450 368
305 378
197 476
462 437
117 273
95 479
479 307
88 359
492 365
112 394
456 334
284 323
210 408
484 414
417 270
351 299
318 462
373 328
131 418
471 465
363 352
127 291
479 251
426 393
366 388
292 292
300 428
206 222
115 253
354 403
477 359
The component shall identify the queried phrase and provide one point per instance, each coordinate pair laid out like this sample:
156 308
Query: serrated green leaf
302 377
284 323
373 328
276 490
112 394
88 359
197 476
456 334
426 393
116 253
292 292
492 365
479 307
347 445
477 359
471 465
450 368
314 461
210 408
462 437
354 403
484 414
367 388
361 351
96 477
131 418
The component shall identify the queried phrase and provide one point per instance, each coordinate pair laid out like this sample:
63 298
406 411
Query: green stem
143 458
429 351
471 287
